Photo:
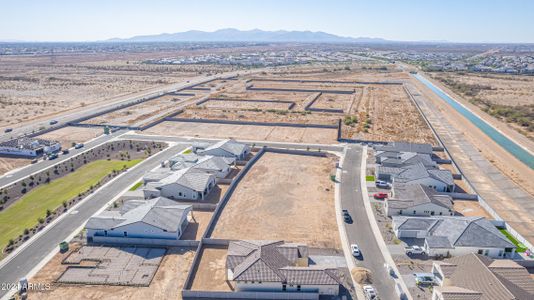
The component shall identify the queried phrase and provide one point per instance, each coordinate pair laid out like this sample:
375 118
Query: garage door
408 234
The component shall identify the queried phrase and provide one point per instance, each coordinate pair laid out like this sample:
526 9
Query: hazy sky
413 20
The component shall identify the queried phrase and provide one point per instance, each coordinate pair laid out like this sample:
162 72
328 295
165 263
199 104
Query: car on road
78 146
369 292
380 195
346 216
34 161
52 156
53 122
65 151
414 250
355 250
382 184
8 130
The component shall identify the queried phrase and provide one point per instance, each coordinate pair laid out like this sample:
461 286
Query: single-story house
156 175
440 180
185 184
402 159
219 166
275 266
29 147
405 147
417 200
156 219
455 236
226 148
478 277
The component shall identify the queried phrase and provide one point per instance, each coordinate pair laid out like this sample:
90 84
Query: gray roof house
417 200
440 180
227 148
402 159
276 266
217 165
455 235
478 277
405 147
137 220
184 184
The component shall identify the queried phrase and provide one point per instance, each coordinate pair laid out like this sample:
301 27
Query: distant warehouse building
29 147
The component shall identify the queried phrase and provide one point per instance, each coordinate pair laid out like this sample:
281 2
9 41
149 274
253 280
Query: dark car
78 146
8 130
65 151
346 216
52 156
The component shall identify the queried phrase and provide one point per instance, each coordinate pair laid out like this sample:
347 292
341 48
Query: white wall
420 210
277 287
138 230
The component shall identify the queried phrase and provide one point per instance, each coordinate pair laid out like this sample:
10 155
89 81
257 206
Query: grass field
369 178
520 247
27 210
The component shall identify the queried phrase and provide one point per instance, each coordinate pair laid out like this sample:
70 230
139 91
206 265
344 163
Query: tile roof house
276 266
226 148
185 184
455 235
474 276
440 180
402 159
155 219
417 200
405 147
216 165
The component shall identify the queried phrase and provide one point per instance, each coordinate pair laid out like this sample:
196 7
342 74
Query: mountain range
255 35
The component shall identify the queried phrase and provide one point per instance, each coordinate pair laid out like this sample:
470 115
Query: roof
159 212
208 162
409 158
275 261
230 146
419 171
28 143
410 195
474 274
460 231
189 177
405 147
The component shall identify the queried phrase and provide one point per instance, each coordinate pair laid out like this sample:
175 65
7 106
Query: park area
292 195
39 203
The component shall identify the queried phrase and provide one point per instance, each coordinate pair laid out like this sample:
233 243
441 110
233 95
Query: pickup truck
414 250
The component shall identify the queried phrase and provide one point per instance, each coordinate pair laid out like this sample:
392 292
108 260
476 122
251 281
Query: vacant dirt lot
167 283
211 272
243 104
246 132
7 164
283 197
68 135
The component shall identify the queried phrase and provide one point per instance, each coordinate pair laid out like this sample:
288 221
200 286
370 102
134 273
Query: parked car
34 161
380 195
382 184
369 292
424 278
63 247
414 250
346 216
8 130
53 122
65 151
52 156
78 146
390 270
355 250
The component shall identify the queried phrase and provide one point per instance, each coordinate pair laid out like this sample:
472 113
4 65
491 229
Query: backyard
33 206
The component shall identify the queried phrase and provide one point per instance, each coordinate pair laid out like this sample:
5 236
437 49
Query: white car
369 292
355 250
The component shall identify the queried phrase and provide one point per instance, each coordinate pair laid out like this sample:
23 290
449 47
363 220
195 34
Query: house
275 266
405 147
402 159
455 236
185 184
478 277
29 147
217 165
440 180
156 175
226 148
155 219
417 200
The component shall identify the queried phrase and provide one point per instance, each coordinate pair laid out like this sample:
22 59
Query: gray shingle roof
405 147
229 146
410 195
409 158
419 171
159 212
190 178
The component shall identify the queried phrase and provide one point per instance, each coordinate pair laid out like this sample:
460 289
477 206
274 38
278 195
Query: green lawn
27 210
520 247
369 178
136 186
187 151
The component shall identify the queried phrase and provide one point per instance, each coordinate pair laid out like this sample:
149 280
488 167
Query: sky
402 20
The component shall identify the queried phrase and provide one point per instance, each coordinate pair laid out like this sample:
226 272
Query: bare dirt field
245 104
8 163
68 135
197 225
471 209
167 283
336 101
246 132
211 272
293 197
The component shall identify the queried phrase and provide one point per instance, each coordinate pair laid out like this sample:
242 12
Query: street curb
376 231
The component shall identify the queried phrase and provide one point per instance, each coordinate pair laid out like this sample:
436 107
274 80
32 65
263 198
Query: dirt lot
337 101
471 209
246 132
291 194
211 272
242 104
197 226
68 135
167 282
7 164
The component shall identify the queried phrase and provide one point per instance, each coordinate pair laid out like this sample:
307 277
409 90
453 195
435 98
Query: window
180 194
298 288
125 233
480 251
105 232
414 212
284 288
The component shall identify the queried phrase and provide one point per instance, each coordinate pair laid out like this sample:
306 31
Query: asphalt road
34 253
42 164
360 232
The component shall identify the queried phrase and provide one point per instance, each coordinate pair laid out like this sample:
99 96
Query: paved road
360 231
42 164
35 252
300 146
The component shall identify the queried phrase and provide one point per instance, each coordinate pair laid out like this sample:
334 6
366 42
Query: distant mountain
255 35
